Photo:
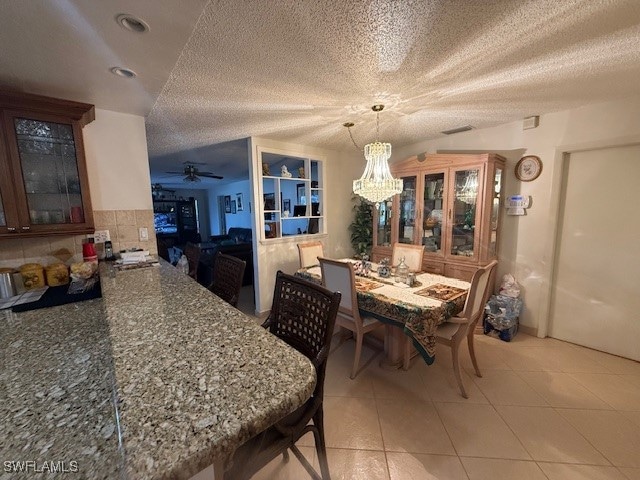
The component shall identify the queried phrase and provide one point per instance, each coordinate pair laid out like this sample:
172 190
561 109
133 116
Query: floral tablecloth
411 309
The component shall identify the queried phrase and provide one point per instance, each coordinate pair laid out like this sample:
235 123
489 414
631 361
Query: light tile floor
544 409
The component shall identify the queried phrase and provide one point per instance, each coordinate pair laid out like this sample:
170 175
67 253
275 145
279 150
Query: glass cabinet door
407 227
495 212
47 152
433 205
463 212
383 225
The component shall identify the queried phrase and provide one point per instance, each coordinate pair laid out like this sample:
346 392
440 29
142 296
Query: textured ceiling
296 70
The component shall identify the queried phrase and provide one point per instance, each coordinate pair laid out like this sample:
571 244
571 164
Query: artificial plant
362 227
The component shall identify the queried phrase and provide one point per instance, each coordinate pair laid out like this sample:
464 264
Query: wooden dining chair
340 277
455 329
192 252
412 255
309 253
227 277
303 314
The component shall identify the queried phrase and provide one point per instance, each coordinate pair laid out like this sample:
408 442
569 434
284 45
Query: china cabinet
44 187
450 204
292 195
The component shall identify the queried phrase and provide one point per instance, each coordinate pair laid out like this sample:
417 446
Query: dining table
410 311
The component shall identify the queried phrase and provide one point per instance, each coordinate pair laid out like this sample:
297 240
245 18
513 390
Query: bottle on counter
183 265
89 253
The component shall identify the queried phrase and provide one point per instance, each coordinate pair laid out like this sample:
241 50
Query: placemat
444 293
364 285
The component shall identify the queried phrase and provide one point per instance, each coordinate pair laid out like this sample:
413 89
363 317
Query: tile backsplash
123 226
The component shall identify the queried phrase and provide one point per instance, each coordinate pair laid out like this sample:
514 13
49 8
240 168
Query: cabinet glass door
383 237
433 205
47 153
407 220
495 212
463 218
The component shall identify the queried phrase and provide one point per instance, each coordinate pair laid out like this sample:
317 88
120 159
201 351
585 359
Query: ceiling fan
192 174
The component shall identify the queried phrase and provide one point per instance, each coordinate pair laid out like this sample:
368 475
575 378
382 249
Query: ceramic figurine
265 169
301 172
384 270
284 172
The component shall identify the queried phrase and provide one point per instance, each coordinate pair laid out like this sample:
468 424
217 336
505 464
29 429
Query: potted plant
362 227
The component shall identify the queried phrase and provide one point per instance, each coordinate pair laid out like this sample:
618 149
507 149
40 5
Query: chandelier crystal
376 183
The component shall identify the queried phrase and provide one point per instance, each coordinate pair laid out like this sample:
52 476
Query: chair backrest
228 272
309 253
340 277
412 255
303 314
163 250
192 252
478 293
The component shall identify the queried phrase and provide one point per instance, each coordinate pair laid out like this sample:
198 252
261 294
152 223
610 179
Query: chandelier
376 183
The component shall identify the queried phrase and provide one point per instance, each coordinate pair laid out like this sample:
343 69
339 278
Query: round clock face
528 168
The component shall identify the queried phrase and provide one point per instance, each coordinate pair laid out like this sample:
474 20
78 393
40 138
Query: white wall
238 219
117 162
527 243
340 171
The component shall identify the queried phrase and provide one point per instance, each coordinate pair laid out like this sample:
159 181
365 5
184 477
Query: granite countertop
192 378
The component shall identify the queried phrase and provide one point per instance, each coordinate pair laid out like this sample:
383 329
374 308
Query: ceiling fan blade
176 173
210 175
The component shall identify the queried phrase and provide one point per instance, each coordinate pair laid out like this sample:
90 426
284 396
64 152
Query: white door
596 292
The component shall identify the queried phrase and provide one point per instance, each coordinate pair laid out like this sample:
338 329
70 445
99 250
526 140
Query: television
165 223
299 210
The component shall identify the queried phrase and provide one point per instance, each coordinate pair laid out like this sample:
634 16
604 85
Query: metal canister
7 284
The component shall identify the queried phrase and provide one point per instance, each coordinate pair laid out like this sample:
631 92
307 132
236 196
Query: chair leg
472 352
456 367
321 449
356 360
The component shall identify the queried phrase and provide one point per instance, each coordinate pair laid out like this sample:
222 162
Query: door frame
551 237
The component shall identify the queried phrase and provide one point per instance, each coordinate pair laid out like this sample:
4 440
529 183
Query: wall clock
528 168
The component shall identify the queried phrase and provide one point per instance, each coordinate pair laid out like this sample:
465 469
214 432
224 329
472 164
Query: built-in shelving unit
291 205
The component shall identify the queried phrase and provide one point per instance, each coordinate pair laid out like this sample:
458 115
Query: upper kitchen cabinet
450 204
44 188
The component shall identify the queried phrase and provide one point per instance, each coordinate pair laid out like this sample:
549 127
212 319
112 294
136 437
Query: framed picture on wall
239 202
301 190
269 201
233 206
227 203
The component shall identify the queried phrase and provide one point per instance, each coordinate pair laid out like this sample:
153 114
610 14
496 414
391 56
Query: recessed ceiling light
131 23
123 72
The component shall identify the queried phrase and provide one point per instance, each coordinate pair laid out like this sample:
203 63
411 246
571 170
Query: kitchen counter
158 379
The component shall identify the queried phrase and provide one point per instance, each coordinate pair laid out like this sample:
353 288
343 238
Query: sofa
237 243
